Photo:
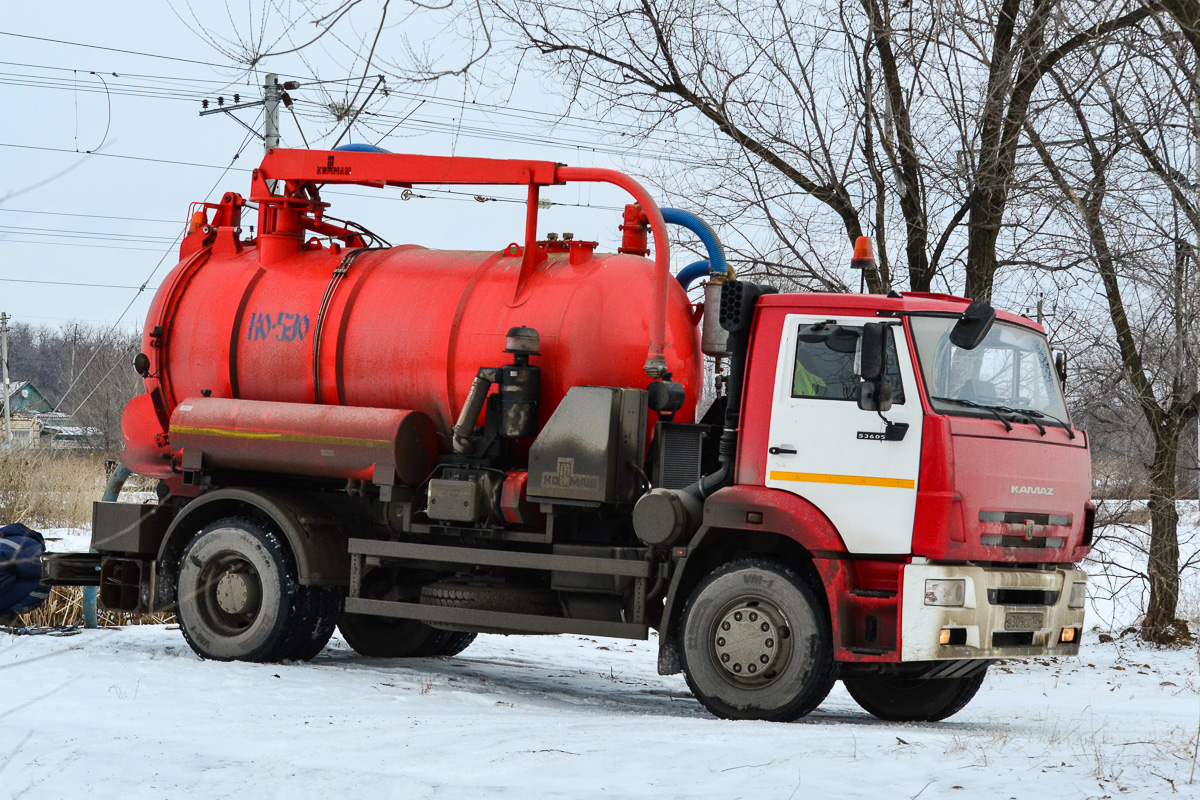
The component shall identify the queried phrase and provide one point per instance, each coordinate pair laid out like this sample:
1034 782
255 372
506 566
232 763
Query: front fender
743 520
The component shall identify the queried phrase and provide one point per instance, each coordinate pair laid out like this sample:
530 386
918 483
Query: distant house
35 423
23 396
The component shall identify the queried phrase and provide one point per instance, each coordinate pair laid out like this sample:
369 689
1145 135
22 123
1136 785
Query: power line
62 319
89 216
81 244
75 234
112 49
142 288
70 283
118 155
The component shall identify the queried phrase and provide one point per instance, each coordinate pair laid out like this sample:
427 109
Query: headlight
1078 595
945 592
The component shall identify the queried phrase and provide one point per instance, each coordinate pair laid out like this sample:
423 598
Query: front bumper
1006 613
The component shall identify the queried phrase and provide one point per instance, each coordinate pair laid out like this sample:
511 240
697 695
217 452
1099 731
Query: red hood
1016 496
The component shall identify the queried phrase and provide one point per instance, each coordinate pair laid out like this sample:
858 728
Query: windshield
1010 371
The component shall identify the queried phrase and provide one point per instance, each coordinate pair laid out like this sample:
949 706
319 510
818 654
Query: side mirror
875 392
873 364
875 396
973 326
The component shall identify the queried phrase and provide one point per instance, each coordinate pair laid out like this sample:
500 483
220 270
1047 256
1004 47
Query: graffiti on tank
282 327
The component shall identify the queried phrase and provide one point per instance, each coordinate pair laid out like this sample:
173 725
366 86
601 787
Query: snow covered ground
133 713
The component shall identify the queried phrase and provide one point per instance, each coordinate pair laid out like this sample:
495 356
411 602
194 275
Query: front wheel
912 699
756 643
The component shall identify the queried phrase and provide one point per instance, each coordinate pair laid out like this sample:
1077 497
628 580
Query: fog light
944 592
944 638
1078 594
1068 635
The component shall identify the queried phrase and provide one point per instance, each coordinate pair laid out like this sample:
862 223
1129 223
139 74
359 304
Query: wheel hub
237 593
746 642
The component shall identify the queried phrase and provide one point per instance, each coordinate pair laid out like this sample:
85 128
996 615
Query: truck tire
455 643
756 643
485 597
390 637
911 699
238 597
316 619
387 637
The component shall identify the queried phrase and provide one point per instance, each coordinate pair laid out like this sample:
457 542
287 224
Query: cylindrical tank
383 445
401 328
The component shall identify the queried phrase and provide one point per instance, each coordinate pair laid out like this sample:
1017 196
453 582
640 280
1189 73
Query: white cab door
826 449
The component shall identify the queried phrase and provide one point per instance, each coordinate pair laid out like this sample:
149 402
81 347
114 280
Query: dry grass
50 489
65 607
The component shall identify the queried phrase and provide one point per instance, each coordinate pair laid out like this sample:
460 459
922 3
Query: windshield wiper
1029 412
995 410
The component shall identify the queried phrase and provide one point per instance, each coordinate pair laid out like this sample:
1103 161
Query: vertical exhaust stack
664 516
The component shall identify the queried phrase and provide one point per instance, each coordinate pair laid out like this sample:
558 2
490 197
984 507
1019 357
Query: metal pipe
464 430
656 362
112 490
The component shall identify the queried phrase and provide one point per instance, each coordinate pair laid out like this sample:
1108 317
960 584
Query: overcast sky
79 233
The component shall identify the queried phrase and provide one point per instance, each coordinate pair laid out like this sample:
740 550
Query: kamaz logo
330 169
1043 490
565 478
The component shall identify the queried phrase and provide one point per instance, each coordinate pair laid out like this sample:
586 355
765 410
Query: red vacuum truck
418 445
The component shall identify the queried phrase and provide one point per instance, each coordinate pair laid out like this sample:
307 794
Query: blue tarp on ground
21 589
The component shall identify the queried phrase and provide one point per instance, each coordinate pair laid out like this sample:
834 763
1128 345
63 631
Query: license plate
1023 621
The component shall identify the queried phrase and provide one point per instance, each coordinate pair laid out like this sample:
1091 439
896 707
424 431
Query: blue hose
716 251
691 272
112 490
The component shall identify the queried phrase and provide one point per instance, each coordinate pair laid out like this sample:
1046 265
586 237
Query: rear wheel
456 642
756 643
385 637
912 699
316 619
389 637
239 599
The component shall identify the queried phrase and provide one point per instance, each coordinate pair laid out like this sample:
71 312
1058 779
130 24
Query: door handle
781 451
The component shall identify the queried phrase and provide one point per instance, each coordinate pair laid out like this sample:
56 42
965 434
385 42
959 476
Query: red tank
290 321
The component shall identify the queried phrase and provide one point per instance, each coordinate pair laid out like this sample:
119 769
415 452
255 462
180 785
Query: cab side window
832 373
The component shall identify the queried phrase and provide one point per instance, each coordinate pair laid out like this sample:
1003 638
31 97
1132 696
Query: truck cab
973 473
942 528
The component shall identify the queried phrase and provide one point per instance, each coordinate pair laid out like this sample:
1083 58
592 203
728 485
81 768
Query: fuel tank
397 328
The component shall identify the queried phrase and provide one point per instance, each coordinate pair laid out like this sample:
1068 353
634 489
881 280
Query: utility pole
4 376
272 95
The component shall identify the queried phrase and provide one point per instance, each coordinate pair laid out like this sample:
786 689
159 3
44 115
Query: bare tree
862 111
94 362
802 126
1118 166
